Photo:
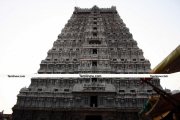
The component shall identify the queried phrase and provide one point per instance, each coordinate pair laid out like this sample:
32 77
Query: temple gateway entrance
93 117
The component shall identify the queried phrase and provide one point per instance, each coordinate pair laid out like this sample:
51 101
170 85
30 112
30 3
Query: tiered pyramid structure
94 40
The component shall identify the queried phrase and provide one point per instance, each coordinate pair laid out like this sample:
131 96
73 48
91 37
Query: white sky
28 29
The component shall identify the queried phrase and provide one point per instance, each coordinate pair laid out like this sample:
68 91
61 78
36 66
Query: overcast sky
28 29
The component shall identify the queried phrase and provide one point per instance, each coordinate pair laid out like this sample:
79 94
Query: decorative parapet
95 8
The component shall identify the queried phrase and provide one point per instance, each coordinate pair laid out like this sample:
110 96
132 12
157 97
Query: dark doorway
93 101
93 117
94 28
94 80
94 63
94 51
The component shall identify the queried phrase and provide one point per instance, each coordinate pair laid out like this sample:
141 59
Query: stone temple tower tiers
94 40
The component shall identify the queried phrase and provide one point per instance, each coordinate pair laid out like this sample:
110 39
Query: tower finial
95 7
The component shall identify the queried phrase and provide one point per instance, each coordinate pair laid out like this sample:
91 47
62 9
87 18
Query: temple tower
94 40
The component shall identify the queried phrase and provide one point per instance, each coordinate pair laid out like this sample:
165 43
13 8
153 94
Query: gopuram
94 41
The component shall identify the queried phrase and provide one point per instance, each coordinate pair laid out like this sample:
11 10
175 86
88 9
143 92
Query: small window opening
66 90
122 91
94 79
95 23
114 59
48 59
94 63
94 51
149 90
55 90
134 59
93 101
94 34
94 28
39 89
132 91
142 59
